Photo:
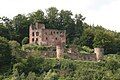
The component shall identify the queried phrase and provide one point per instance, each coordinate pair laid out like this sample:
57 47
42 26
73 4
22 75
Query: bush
5 51
87 49
25 41
34 47
15 47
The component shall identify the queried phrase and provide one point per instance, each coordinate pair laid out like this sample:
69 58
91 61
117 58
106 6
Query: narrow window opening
32 33
46 33
51 33
32 39
37 33
46 38
37 39
55 38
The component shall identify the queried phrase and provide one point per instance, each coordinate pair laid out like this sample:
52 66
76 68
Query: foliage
87 49
5 52
25 41
30 47
51 76
48 69
101 39
15 47
15 66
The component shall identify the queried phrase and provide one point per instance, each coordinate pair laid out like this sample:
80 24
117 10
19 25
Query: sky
98 12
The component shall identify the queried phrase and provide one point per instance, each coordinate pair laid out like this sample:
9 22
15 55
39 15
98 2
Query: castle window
37 33
55 38
32 39
61 35
32 33
57 32
32 28
37 39
54 32
46 33
46 38
51 33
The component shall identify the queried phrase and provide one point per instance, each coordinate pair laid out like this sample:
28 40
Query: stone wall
49 37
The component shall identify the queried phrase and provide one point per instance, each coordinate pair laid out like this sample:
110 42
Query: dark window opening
46 38
32 28
55 38
61 35
54 32
51 33
32 33
61 32
46 33
37 33
36 39
57 32
32 39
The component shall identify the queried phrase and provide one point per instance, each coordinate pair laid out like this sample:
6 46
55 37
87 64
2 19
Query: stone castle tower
48 37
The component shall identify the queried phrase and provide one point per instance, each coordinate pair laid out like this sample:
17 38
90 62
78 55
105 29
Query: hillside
20 60
36 68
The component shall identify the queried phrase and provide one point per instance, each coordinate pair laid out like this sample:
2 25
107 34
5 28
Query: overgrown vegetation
17 63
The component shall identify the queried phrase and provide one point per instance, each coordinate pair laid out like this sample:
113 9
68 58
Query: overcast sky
101 12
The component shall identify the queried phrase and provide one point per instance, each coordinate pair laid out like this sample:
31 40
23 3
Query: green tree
25 41
68 24
21 26
4 31
79 28
5 51
87 37
37 16
7 29
51 18
31 76
15 49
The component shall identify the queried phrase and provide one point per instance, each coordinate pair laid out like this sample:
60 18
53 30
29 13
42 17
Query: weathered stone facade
48 37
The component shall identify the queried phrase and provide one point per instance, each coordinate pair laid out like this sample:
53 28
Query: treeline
16 62
77 32
17 28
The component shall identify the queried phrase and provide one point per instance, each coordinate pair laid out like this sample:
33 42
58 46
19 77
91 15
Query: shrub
25 41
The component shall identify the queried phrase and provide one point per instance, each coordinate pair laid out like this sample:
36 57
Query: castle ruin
47 37
56 38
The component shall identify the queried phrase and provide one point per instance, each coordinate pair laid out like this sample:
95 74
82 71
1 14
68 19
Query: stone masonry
48 37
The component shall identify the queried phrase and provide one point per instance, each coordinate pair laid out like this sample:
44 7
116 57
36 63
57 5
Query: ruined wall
35 33
49 37
53 37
